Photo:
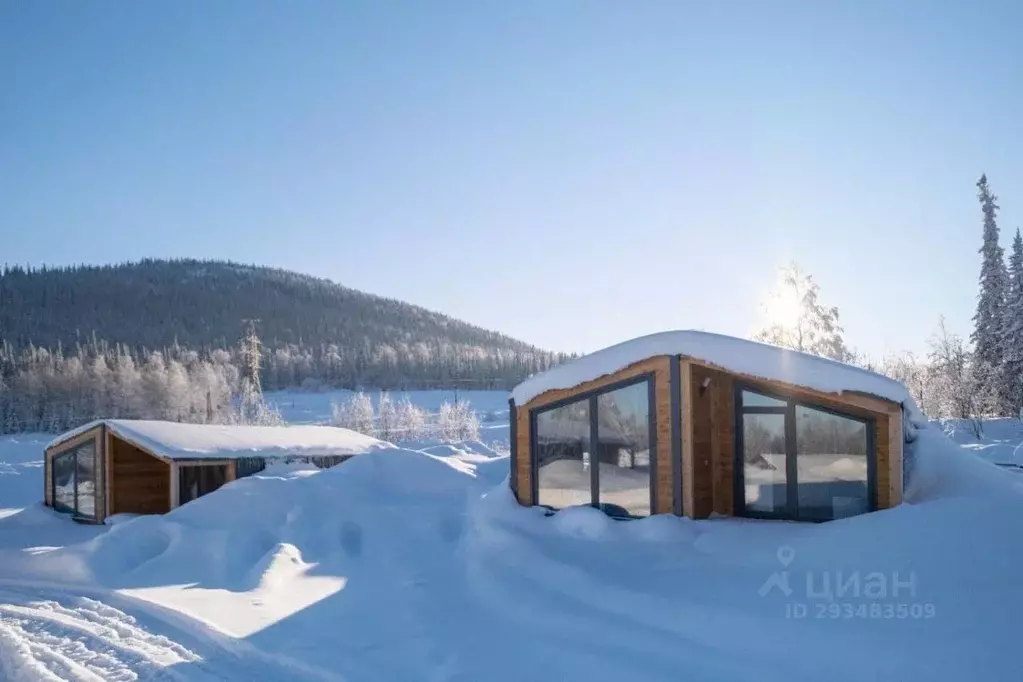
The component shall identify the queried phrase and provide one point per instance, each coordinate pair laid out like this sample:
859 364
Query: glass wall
597 451
803 462
764 462
623 447
562 444
74 480
831 456
64 482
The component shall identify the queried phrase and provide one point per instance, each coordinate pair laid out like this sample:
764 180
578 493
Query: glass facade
764 462
597 451
563 455
74 480
831 457
803 462
623 447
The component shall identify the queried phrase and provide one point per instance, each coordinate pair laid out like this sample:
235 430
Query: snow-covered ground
1001 441
416 564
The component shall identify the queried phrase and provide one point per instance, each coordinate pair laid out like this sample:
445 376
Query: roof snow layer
173 440
737 355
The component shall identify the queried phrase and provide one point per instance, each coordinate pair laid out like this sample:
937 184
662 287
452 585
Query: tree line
56 389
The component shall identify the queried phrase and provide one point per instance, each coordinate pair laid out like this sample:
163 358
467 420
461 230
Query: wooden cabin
698 424
119 466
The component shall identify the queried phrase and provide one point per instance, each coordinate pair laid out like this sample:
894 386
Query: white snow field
313 407
409 565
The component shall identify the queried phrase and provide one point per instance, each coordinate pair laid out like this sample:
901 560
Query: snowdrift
403 564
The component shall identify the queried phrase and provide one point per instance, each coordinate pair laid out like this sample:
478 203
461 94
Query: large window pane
623 450
562 455
64 482
831 465
763 442
85 472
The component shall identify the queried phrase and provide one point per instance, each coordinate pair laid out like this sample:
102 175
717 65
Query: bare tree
953 379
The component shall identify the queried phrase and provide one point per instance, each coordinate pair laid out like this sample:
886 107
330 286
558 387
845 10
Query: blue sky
571 173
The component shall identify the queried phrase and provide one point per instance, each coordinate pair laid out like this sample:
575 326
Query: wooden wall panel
660 366
140 482
895 439
884 475
525 480
688 427
701 452
723 442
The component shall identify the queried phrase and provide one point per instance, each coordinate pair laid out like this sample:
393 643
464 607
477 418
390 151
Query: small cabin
119 466
698 424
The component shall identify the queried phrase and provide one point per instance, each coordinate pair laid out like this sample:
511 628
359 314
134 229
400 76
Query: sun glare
783 308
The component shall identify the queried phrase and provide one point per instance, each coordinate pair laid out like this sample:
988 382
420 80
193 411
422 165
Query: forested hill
197 304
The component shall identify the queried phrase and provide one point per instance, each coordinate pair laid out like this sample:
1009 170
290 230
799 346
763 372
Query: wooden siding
661 368
882 446
139 482
895 438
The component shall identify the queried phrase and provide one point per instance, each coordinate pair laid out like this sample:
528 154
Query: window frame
72 452
590 396
790 512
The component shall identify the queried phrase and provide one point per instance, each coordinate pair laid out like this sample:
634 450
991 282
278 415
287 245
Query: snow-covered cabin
117 466
711 425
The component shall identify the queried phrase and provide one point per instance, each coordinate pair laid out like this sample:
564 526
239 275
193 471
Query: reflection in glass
831 465
562 455
63 472
623 450
751 399
85 472
763 440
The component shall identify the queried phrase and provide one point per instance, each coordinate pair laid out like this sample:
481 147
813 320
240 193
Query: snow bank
941 469
402 565
738 355
175 440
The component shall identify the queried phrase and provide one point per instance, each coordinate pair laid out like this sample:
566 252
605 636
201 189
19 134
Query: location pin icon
785 555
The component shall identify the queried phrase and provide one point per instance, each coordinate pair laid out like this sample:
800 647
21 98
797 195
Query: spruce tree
1012 359
989 320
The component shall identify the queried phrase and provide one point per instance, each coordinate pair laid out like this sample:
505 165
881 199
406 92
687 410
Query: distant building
696 424
118 466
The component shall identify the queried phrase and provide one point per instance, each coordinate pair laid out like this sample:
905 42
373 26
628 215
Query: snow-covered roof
737 355
174 440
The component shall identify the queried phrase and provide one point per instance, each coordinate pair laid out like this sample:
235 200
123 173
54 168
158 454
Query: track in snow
67 638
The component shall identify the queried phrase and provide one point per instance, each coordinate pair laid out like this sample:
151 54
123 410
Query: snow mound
941 469
738 355
402 565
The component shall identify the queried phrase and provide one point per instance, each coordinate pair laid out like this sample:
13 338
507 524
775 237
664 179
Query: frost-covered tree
410 419
387 418
355 413
458 422
800 321
953 369
989 320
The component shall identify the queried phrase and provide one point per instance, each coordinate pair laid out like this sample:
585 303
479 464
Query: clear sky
571 173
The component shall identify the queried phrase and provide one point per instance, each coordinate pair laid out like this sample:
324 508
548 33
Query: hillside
202 304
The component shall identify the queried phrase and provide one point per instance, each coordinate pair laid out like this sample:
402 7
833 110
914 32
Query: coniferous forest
160 339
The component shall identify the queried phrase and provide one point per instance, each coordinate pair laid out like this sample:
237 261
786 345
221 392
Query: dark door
197 480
